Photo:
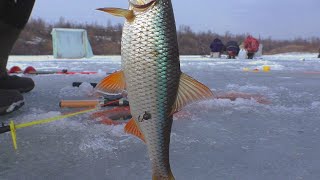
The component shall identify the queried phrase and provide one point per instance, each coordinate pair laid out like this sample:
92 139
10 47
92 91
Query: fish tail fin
170 176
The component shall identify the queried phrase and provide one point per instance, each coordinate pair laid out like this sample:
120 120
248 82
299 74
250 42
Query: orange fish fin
132 128
128 14
189 91
114 83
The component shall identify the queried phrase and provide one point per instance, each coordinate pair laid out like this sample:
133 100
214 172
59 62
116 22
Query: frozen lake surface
218 139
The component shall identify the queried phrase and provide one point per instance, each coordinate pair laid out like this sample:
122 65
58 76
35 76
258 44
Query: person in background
14 15
319 54
251 45
217 47
232 49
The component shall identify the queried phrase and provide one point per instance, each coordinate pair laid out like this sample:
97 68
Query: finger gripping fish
152 77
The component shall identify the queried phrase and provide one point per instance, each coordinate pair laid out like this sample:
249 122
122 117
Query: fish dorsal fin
132 128
128 14
114 83
189 91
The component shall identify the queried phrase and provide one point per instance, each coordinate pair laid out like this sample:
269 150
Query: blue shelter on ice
70 43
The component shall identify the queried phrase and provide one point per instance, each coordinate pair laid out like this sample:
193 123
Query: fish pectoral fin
128 14
189 91
132 128
114 83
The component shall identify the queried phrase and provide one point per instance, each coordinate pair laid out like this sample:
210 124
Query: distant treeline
36 39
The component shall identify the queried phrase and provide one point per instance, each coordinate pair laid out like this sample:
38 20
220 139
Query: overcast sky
280 19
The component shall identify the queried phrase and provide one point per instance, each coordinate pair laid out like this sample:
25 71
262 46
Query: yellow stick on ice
13 127
13 135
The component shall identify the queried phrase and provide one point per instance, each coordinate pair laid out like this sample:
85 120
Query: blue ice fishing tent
70 43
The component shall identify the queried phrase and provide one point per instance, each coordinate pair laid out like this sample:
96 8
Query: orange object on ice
114 116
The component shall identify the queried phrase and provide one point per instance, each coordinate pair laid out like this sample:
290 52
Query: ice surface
215 139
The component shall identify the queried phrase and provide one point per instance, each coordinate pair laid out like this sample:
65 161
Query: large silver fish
152 77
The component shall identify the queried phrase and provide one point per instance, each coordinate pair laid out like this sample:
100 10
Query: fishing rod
78 84
102 102
12 127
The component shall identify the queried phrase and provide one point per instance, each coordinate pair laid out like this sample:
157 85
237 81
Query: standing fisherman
14 15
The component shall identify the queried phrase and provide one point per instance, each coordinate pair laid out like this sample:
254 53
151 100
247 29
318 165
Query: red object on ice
15 69
29 70
251 44
88 72
115 116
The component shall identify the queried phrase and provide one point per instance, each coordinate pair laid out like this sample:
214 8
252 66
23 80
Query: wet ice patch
70 91
114 130
97 143
102 137
238 103
225 105
315 105
175 138
258 62
183 115
292 110
37 114
248 88
67 124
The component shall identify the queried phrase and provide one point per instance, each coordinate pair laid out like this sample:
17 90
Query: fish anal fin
132 128
128 14
114 83
189 91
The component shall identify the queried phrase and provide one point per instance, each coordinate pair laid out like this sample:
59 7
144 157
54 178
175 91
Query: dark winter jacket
216 45
233 46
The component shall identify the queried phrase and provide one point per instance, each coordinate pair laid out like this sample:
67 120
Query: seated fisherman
217 48
232 49
251 45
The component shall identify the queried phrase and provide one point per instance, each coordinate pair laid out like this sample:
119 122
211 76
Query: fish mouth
142 5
